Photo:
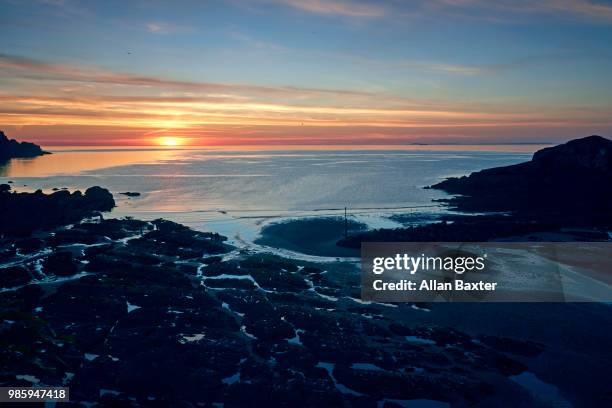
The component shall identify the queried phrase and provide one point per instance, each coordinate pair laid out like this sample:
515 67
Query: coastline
133 276
306 203
141 276
110 306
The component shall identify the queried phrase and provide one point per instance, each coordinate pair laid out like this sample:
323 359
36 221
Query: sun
169 141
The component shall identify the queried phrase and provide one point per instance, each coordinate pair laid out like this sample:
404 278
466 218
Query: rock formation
10 148
572 178
22 213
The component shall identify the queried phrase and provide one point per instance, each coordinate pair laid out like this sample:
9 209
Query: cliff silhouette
564 179
10 149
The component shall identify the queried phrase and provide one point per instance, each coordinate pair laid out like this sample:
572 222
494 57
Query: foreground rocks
10 148
22 213
135 313
482 228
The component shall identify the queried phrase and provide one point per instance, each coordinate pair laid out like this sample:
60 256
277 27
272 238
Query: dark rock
279 281
172 239
252 302
224 268
99 199
7 252
268 328
130 194
14 276
60 264
23 299
268 262
209 260
564 186
573 179
593 153
311 270
508 366
461 229
25 212
29 245
10 148
513 346
73 235
289 299
114 228
142 325
229 283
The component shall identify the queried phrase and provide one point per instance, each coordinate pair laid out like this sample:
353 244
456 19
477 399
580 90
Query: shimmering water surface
237 191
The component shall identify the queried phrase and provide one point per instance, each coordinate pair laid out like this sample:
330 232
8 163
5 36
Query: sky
304 72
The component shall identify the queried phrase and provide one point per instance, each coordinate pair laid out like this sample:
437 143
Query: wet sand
312 236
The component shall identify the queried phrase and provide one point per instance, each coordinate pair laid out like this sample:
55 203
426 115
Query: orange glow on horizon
73 104
169 141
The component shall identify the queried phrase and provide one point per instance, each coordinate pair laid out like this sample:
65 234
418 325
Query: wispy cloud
493 68
493 11
256 43
504 10
507 10
40 95
160 27
445 68
54 2
28 68
337 7
596 10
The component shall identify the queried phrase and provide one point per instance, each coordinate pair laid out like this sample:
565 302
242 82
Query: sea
238 191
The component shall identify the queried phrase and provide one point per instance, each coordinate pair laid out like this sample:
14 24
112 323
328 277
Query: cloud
167 28
444 68
584 8
507 10
28 68
256 43
54 2
448 68
493 11
483 69
41 95
337 7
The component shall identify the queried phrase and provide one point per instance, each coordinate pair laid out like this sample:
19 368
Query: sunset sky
304 72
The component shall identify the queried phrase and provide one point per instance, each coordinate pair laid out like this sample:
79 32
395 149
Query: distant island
12 149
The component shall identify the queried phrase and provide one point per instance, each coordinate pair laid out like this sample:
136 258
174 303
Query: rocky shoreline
12 149
565 191
151 313
134 313
23 213
571 178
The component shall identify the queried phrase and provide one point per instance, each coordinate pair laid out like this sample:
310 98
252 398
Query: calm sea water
236 192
